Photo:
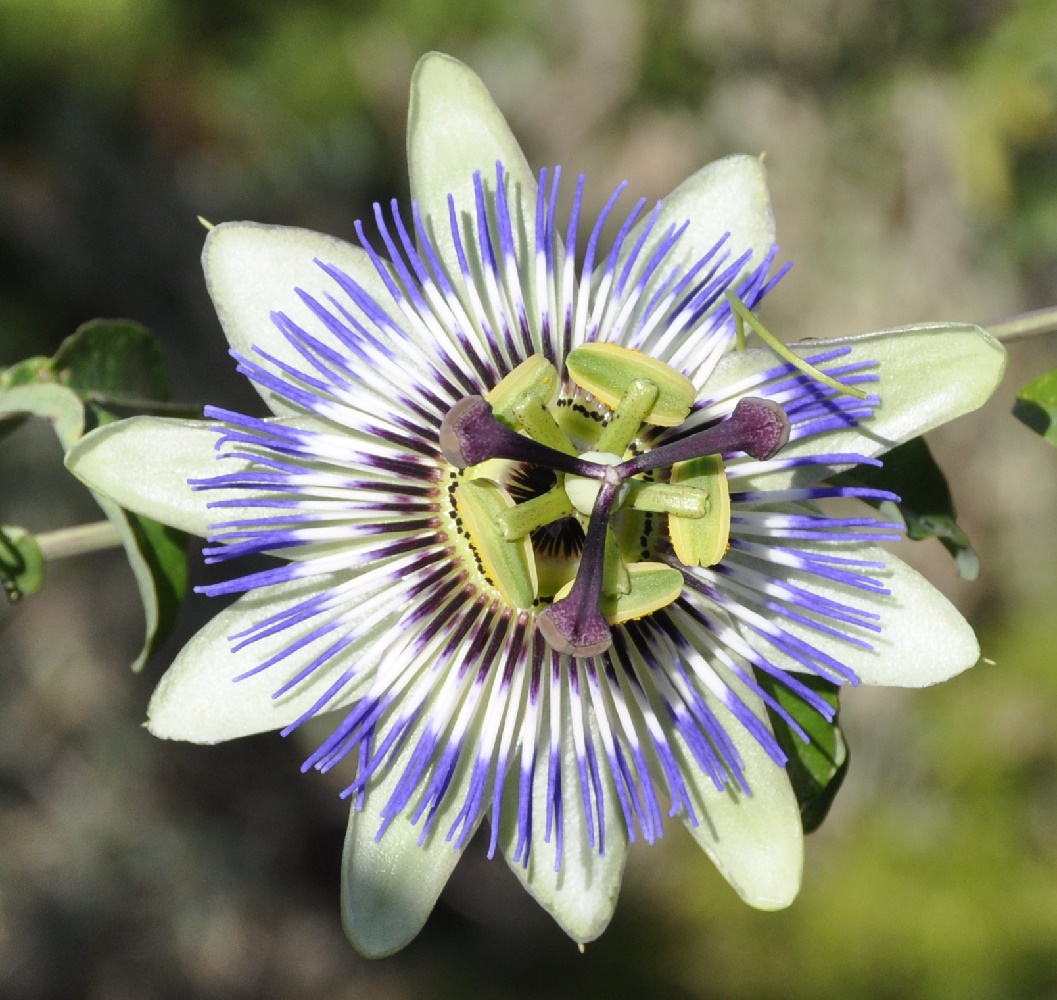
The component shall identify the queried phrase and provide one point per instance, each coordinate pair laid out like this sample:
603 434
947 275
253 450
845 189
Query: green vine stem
78 540
1025 325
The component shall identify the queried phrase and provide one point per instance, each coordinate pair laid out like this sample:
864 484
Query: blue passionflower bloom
542 524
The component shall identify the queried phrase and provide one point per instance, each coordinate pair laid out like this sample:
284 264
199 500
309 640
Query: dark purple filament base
575 625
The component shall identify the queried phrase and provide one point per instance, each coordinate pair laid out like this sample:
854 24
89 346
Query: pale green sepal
453 130
254 270
144 464
198 698
726 196
756 841
929 374
389 886
923 639
582 894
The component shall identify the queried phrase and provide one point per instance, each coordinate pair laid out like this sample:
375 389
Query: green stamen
534 378
669 498
743 315
652 586
634 405
526 517
522 398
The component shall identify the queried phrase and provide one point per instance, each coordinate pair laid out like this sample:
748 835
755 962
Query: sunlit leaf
23 372
1036 406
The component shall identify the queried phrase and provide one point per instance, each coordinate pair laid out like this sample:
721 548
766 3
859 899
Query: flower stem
78 540
1025 325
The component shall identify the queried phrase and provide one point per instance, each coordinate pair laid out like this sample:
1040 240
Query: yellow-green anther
637 401
535 378
615 579
608 370
742 314
702 541
517 522
533 417
509 566
653 586
668 498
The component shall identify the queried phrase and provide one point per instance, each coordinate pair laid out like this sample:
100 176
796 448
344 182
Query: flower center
583 492
611 483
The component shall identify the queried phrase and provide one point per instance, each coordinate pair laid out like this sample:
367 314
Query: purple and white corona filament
543 529
470 642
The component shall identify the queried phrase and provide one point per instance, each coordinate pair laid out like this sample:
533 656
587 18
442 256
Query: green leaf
926 505
816 770
155 552
23 372
112 360
21 564
1036 406
158 557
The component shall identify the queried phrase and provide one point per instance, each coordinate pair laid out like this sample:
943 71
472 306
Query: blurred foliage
913 152
1036 406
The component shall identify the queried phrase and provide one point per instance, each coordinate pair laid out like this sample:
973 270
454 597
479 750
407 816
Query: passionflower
544 522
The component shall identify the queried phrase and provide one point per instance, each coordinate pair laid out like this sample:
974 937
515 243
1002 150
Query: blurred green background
912 149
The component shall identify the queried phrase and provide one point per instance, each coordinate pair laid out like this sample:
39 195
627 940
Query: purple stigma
575 625
758 427
471 433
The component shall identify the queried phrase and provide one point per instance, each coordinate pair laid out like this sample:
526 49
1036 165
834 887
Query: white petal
198 698
390 886
253 270
454 129
924 639
144 464
582 894
757 840
726 196
929 374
